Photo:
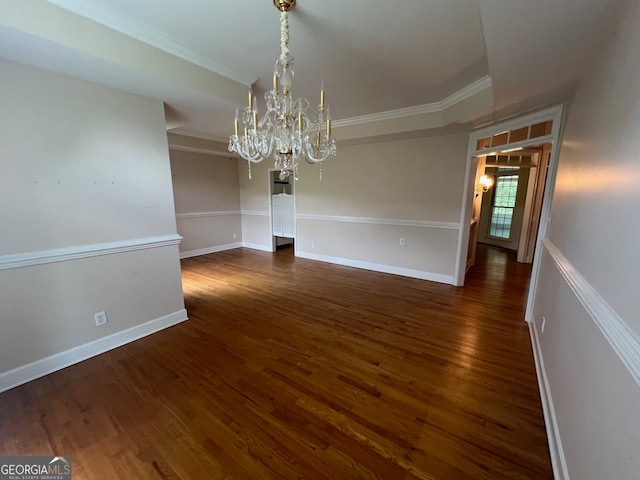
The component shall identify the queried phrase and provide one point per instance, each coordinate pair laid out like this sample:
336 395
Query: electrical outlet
402 241
544 320
235 236
100 318
313 244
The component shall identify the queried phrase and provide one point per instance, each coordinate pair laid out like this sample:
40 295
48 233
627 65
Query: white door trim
271 193
554 113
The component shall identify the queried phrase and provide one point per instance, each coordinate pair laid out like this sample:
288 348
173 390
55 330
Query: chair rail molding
221 213
380 221
27 259
622 339
257 213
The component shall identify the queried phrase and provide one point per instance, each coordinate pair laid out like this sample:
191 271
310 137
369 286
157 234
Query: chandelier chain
284 35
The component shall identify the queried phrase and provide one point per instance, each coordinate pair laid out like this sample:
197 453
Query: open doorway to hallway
534 140
508 212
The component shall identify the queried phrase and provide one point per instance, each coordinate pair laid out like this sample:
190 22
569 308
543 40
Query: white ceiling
389 68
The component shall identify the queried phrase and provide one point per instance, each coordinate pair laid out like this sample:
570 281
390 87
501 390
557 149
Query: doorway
538 131
510 208
282 210
501 214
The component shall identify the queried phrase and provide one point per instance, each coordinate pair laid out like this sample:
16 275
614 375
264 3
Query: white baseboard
257 246
205 251
560 471
377 267
58 361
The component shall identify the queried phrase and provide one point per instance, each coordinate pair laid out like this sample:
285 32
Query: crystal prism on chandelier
288 130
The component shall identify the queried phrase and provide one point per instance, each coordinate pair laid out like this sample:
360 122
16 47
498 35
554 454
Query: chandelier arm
261 150
268 150
310 159
253 157
248 150
324 150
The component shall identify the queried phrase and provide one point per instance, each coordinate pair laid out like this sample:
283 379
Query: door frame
271 193
487 204
555 114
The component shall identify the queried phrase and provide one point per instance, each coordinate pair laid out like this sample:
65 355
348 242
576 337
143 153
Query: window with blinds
504 200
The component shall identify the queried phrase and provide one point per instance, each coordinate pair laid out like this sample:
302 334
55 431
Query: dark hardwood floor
290 368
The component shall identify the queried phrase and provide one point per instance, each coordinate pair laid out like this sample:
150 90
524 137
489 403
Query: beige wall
587 288
371 196
86 209
254 202
417 179
207 201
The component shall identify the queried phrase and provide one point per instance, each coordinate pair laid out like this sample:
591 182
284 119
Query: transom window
503 139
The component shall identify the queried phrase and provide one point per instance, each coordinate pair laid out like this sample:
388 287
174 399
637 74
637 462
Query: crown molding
104 15
478 94
203 136
466 92
426 109
174 144
204 151
389 115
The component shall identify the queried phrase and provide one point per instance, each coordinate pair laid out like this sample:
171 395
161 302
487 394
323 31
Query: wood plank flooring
290 368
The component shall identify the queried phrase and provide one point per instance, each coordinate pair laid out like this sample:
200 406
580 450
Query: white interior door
288 216
276 215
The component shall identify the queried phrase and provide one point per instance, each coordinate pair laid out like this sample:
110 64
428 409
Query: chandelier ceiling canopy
289 130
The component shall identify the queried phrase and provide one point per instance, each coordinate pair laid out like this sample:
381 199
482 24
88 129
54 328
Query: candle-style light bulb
250 100
322 94
235 123
328 127
300 123
255 121
275 83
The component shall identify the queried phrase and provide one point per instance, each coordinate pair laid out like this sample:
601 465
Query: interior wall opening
527 145
282 210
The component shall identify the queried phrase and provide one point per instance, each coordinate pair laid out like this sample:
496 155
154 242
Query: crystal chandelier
288 130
